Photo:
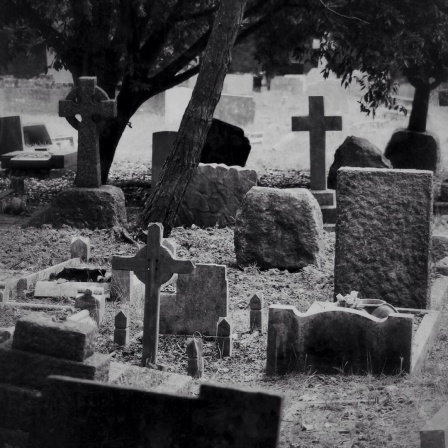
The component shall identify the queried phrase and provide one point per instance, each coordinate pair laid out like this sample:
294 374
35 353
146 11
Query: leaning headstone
224 339
256 312
200 300
78 413
90 204
121 332
214 194
383 235
357 152
279 229
331 339
11 134
36 134
80 248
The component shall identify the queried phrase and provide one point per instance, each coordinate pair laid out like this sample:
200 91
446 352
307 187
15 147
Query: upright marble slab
383 235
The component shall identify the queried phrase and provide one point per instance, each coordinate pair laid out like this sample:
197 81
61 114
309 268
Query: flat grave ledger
330 339
48 159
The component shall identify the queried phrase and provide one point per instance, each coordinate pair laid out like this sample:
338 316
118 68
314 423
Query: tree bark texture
420 104
180 166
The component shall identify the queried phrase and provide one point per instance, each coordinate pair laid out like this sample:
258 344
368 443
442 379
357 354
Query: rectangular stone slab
383 235
36 134
67 340
201 299
67 289
34 160
79 413
11 134
26 369
63 159
329 338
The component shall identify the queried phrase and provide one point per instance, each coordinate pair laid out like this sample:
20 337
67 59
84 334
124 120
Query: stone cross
153 265
316 123
93 105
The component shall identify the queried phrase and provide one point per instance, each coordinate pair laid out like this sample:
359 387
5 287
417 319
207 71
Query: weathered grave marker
121 332
224 339
93 105
328 339
80 413
11 134
195 366
36 134
153 265
256 312
383 235
93 300
317 124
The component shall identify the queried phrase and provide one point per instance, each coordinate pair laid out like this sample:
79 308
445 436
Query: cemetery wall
37 95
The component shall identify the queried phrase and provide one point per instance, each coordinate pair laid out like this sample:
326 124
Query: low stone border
37 306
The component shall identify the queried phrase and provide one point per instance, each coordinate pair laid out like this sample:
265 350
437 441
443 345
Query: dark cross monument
317 124
93 105
153 265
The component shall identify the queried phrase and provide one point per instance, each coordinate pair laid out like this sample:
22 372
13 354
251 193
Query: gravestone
201 299
328 339
121 331
153 265
79 413
317 124
383 235
279 228
91 204
214 194
11 134
36 134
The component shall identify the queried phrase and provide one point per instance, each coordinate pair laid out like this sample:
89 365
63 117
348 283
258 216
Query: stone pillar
225 337
195 366
121 332
256 313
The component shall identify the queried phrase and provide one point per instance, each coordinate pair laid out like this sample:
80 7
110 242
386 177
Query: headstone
289 85
214 194
121 332
279 228
225 143
224 339
80 413
356 152
414 150
435 432
238 110
331 339
195 349
121 287
200 300
238 84
317 124
94 301
383 235
11 134
94 106
154 265
67 340
36 134
256 312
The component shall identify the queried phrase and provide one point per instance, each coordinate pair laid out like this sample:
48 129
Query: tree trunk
420 104
180 166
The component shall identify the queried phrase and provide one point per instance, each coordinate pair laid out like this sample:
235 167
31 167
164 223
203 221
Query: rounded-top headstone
80 247
279 229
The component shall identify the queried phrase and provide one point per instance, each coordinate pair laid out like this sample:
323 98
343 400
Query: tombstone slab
279 228
328 339
383 235
128 417
92 208
201 299
36 134
11 134
31 160
45 288
214 195
28 369
68 340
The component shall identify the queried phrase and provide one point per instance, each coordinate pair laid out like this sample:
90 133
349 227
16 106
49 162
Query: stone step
329 214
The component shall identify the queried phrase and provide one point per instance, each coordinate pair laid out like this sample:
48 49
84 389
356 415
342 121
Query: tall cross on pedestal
153 265
316 123
93 105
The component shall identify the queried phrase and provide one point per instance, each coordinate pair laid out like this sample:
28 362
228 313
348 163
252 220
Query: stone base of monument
327 202
92 208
